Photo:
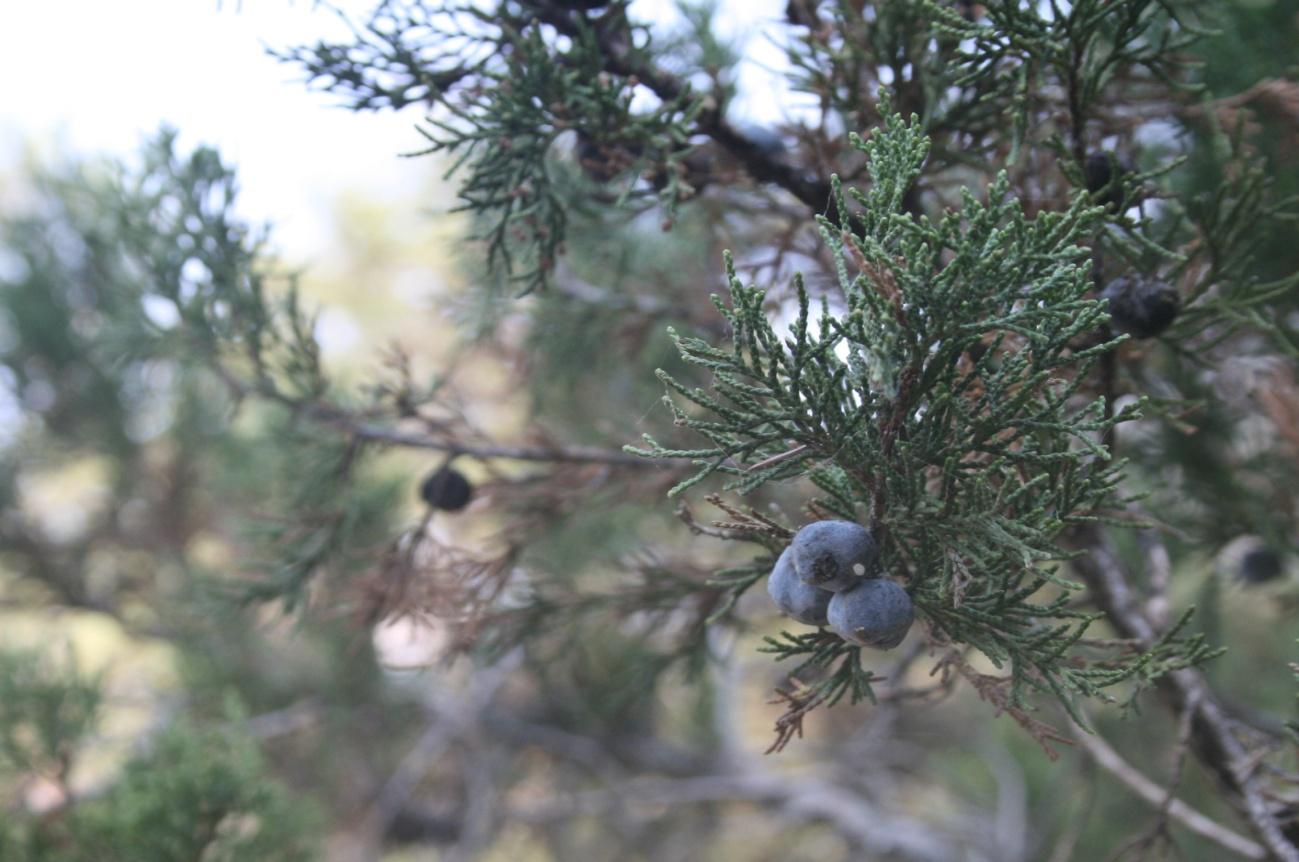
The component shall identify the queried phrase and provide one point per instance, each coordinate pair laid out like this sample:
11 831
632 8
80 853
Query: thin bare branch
361 429
1158 797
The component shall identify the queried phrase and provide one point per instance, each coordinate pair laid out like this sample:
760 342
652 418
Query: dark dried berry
1106 174
1141 306
446 489
976 351
1260 565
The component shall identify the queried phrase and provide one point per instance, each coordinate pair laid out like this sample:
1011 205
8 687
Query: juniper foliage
512 91
943 374
46 709
939 403
948 397
186 794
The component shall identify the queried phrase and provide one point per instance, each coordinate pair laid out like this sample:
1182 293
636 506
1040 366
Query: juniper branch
814 193
968 469
368 431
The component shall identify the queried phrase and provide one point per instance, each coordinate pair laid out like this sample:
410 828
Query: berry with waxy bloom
875 613
795 597
834 555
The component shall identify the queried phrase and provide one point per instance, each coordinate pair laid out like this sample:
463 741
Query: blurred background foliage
145 707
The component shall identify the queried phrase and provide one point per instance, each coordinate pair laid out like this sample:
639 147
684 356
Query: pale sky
88 76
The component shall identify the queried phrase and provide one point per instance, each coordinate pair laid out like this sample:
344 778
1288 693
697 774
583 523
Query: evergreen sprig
189 793
1025 54
196 283
503 132
47 708
197 794
1232 225
499 101
942 399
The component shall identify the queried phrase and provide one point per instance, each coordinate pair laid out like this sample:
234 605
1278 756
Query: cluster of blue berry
829 575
